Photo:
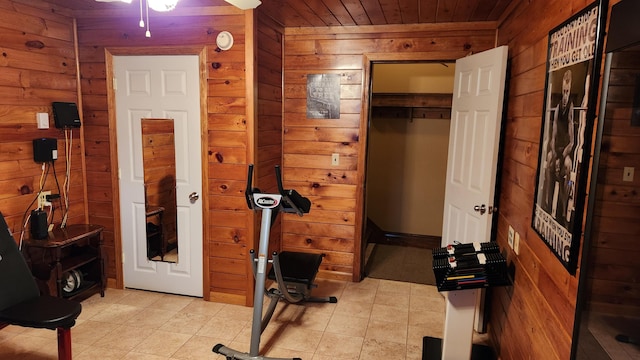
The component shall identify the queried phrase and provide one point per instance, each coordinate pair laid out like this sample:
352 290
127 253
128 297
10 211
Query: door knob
480 208
194 196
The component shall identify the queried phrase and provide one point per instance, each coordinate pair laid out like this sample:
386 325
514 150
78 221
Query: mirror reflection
609 328
159 162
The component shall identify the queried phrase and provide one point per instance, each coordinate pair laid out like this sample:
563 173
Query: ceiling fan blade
244 4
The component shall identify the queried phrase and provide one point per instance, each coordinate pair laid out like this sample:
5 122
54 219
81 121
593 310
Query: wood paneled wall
229 145
614 269
334 224
533 319
37 67
269 119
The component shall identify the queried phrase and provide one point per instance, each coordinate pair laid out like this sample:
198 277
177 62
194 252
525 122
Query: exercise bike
293 272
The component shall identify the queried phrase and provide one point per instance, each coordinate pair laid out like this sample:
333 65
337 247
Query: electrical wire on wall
26 217
68 145
43 215
64 208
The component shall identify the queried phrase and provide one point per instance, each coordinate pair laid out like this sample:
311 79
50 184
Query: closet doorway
408 135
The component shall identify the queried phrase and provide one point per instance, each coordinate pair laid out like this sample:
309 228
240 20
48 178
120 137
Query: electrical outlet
335 159
511 236
516 244
42 199
42 119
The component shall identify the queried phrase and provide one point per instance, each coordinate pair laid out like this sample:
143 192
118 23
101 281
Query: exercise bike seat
297 267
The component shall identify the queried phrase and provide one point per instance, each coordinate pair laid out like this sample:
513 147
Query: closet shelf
411 106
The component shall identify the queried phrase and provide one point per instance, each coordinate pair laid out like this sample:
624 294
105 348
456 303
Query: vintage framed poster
573 64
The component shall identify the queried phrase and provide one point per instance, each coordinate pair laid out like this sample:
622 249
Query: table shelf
74 248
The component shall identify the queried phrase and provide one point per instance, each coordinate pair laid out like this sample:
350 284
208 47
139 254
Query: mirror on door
159 162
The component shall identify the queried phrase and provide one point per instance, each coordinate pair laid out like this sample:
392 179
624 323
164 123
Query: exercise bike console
291 200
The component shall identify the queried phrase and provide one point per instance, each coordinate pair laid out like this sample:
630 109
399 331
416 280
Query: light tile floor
373 319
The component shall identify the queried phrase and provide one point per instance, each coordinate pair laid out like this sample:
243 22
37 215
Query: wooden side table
75 251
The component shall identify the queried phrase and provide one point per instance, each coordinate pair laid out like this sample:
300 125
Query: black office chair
20 300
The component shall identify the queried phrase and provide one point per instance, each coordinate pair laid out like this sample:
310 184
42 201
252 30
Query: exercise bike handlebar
292 201
249 190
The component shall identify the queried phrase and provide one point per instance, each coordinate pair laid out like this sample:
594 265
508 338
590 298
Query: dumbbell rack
460 271
469 266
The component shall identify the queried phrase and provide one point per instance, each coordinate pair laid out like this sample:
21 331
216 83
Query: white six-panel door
473 146
474 138
160 87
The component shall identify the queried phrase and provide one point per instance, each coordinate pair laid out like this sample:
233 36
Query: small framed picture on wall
323 96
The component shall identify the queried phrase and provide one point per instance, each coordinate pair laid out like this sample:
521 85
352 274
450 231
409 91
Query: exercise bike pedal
329 299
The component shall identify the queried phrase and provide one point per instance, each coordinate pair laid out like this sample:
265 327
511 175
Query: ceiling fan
157 5
244 4
168 5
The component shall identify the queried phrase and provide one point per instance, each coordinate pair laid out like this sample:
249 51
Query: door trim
113 149
367 62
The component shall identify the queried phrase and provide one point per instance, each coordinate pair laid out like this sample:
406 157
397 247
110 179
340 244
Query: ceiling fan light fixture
157 5
244 4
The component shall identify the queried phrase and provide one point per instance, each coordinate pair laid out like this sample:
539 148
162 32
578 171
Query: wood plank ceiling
322 13
318 13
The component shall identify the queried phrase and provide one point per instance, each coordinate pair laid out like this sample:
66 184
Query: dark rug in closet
401 263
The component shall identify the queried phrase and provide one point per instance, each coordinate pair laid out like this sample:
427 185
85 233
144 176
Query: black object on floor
432 350
627 339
